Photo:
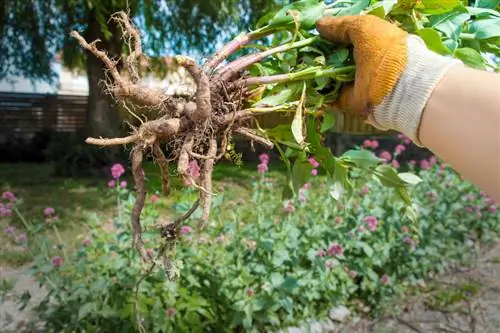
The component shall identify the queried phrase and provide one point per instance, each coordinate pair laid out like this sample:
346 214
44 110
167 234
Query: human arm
439 103
461 125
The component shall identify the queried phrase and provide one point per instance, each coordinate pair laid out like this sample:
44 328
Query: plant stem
234 67
59 239
305 74
467 36
26 224
233 46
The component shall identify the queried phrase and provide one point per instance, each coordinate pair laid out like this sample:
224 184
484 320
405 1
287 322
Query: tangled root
197 128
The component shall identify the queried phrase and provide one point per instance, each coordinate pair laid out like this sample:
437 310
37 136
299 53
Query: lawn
75 199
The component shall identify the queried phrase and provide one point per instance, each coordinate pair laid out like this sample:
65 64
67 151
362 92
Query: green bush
264 264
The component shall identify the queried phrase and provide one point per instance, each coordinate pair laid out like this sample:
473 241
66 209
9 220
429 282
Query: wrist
401 110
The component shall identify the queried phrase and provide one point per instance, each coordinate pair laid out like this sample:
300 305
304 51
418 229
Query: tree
32 32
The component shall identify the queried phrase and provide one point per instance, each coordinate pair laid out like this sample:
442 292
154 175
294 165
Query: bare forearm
461 124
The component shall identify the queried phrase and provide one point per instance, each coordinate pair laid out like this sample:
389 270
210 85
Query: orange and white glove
395 72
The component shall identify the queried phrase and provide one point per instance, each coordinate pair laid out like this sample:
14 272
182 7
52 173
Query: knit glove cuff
401 110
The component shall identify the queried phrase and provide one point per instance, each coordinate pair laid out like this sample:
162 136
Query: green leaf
361 158
298 119
403 194
338 57
433 41
470 57
486 28
355 9
388 176
86 309
301 173
367 249
328 122
482 12
382 8
492 4
450 24
308 12
283 135
280 95
410 178
436 7
290 283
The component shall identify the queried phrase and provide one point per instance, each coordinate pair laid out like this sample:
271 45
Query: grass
74 199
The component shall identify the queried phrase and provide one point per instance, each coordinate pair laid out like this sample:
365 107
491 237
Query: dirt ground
465 301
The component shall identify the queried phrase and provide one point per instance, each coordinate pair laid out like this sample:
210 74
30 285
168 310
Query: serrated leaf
361 158
470 57
433 41
410 178
298 119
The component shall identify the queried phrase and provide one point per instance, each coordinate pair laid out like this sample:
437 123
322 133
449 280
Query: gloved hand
395 72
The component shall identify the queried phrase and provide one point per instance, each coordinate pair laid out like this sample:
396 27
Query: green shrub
264 264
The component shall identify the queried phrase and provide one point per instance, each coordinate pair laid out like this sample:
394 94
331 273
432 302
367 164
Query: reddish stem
233 68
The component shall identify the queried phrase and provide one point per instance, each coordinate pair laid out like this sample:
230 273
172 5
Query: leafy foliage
266 264
32 33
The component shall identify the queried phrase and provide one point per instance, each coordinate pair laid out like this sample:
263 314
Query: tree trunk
102 115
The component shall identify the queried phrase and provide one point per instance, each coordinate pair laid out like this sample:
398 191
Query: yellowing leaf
298 120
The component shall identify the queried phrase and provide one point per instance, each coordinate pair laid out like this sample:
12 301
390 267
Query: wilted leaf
298 119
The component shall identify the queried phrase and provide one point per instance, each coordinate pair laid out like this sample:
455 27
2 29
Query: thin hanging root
206 179
113 141
163 164
246 132
170 232
138 174
183 163
136 54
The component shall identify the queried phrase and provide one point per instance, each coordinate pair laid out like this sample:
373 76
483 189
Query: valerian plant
294 73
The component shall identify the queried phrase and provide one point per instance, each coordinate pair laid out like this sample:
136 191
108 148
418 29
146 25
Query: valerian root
162 162
206 181
189 127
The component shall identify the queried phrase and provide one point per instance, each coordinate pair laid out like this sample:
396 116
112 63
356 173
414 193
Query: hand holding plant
297 73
